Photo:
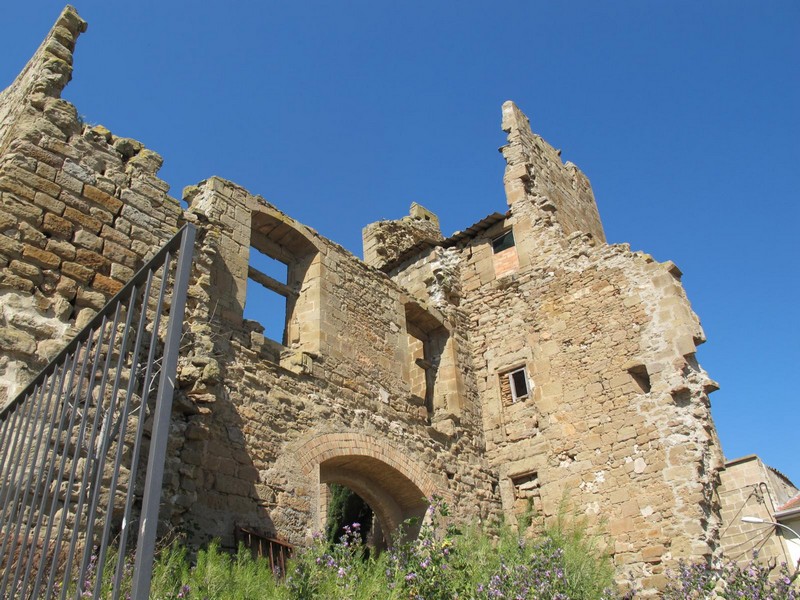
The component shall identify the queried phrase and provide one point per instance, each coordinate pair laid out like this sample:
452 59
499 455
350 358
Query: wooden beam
270 283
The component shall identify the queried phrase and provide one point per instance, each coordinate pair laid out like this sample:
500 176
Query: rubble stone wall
267 424
618 423
80 211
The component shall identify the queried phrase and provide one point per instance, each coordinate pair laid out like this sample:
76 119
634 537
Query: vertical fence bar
76 395
123 422
16 508
9 506
81 436
143 567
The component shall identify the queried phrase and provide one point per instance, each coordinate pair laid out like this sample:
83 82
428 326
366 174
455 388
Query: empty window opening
514 386
267 294
640 377
503 242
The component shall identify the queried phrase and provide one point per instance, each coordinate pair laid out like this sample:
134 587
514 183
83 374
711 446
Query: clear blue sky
684 115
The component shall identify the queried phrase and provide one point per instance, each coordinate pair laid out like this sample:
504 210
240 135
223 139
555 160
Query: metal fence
74 498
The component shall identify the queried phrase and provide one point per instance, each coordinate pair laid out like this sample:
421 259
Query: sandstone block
42 258
89 223
77 272
94 300
107 201
106 285
17 341
120 254
16 188
39 154
121 272
26 270
88 240
68 182
10 280
49 203
57 226
83 317
35 182
91 260
9 247
22 209
32 235
61 248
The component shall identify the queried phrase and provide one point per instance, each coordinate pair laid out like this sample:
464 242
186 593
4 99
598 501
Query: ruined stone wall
387 241
272 422
80 211
618 424
556 191
609 414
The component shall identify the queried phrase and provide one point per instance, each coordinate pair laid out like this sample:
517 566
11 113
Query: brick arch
387 478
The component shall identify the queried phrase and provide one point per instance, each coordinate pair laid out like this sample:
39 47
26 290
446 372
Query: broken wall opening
263 302
504 254
282 285
427 340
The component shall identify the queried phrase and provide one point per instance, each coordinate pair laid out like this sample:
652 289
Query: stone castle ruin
520 366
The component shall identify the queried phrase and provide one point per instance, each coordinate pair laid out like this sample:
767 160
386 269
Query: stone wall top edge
741 459
516 124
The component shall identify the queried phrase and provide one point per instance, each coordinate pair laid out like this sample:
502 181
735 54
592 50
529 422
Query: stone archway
395 486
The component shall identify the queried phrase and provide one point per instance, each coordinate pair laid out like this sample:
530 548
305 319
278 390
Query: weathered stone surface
102 198
77 271
57 226
14 340
106 285
42 258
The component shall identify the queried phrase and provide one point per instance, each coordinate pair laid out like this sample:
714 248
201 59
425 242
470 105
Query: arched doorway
392 497
394 485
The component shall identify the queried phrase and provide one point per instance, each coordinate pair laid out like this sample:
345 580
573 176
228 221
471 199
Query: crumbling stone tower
520 366
583 355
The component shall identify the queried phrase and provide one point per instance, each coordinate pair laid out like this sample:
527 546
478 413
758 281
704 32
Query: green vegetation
442 563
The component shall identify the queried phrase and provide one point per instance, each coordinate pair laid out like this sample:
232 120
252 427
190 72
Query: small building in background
750 488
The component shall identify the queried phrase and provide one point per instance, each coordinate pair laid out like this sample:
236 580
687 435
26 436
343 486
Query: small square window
514 386
503 242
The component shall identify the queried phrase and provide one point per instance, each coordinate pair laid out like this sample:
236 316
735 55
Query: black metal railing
71 484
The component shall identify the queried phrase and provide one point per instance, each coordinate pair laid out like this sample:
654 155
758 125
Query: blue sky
684 115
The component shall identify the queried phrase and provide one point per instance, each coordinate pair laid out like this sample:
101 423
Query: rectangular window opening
267 293
514 386
503 242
